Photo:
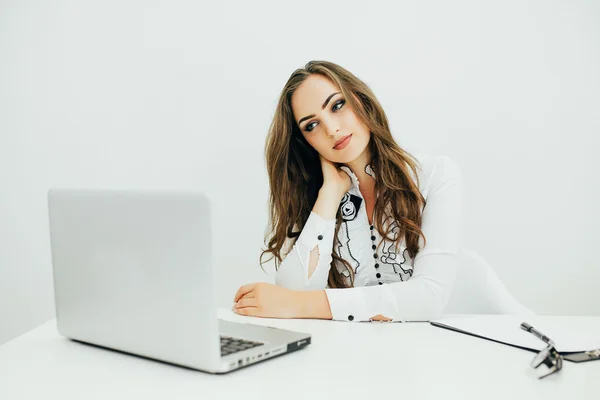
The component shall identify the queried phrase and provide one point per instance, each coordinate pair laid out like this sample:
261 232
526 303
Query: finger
247 311
327 167
243 290
246 302
380 317
325 162
249 295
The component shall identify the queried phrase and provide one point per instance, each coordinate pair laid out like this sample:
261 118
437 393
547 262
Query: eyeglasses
548 356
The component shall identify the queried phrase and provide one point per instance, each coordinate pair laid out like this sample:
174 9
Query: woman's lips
343 143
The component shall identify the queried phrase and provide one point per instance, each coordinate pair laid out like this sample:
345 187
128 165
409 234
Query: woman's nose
332 127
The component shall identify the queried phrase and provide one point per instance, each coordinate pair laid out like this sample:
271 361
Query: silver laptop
133 271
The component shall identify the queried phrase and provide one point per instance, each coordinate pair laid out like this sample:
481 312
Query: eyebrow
322 107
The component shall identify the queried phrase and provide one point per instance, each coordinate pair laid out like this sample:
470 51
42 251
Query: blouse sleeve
424 296
293 270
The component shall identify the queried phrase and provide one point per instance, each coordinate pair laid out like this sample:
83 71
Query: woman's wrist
328 202
313 304
331 192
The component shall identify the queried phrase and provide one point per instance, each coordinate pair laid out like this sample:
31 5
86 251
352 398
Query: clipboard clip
593 353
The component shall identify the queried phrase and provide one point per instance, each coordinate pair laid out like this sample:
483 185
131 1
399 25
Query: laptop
133 272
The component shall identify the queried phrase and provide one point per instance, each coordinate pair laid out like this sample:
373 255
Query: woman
360 229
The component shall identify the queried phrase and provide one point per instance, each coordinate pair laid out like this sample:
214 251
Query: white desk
345 360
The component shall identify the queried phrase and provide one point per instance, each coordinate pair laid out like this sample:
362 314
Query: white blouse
387 280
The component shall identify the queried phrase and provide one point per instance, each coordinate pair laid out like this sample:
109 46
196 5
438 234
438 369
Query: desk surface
345 360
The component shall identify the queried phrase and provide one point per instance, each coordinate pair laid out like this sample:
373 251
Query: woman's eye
335 107
340 103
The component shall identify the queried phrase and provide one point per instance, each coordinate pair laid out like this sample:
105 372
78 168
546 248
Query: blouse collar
355 183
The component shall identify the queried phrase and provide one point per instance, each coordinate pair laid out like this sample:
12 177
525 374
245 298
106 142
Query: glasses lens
540 357
553 360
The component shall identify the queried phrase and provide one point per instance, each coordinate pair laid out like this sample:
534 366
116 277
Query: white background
174 94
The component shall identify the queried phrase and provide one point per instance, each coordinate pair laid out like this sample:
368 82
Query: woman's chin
346 159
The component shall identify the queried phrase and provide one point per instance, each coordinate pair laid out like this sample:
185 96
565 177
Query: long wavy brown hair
295 174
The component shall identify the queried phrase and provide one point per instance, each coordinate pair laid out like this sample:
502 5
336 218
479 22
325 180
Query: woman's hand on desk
271 301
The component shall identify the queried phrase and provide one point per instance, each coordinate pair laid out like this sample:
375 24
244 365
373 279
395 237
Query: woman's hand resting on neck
336 181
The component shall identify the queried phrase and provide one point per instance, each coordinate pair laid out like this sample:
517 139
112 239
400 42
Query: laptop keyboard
230 345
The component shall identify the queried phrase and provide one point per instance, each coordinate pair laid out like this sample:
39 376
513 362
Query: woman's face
326 118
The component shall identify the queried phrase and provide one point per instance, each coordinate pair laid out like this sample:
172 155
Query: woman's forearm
328 202
313 304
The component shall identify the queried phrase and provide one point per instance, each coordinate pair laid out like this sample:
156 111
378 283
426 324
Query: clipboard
577 338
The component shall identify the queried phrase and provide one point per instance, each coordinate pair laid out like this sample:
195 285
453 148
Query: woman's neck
359 165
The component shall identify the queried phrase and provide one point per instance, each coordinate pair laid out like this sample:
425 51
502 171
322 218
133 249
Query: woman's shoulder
435 170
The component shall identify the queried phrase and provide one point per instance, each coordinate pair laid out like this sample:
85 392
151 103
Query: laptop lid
133 272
